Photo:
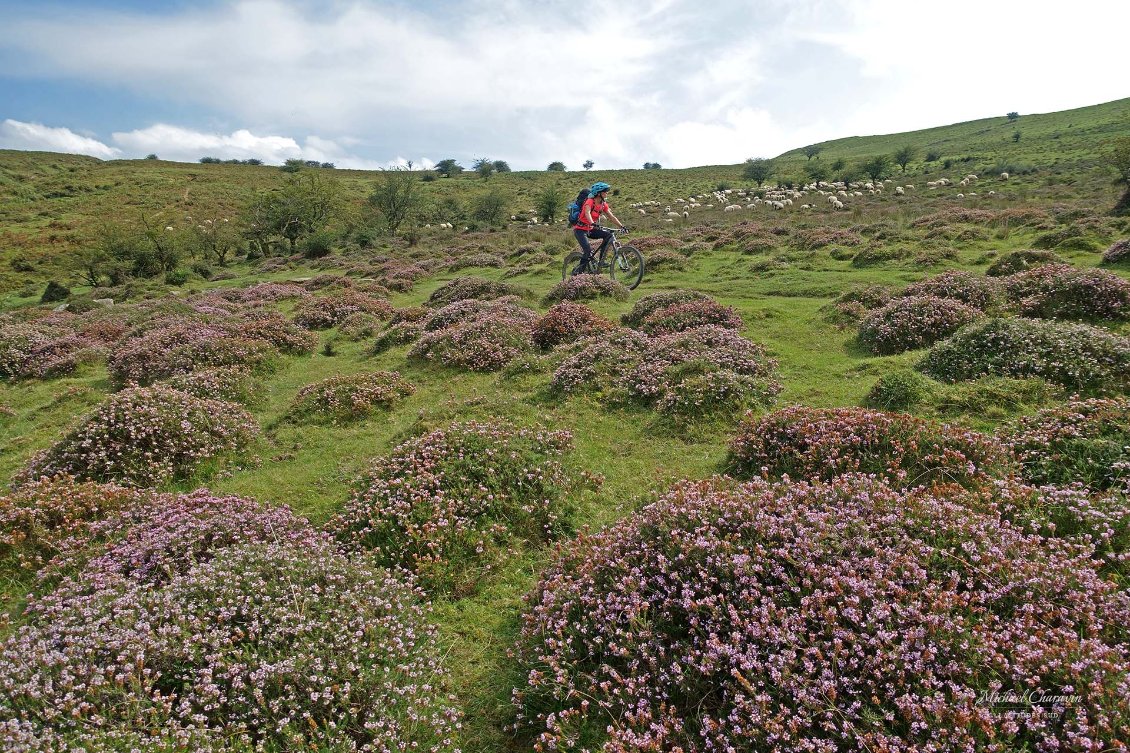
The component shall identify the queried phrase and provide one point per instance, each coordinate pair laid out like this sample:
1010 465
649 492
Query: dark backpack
575 207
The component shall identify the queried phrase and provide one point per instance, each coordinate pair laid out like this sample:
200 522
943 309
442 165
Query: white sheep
1004 176
837 204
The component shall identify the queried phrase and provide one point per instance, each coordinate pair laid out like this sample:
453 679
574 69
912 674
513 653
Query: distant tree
484 167
490 208
209 160
232 161
308 203
877 167
588 164
838 165
932 156
904 155
500 166
652 166
332 166
253 161
395 198
1015 136
817 172
758 170
1013 117
292 165
549 201
556 167
812 150
448 167
1119 157
151 156
214 238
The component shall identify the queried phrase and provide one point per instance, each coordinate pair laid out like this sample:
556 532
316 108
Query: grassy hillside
798 280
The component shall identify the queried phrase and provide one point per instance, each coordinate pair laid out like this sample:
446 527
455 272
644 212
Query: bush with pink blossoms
38 519
974 290
567 322
822 443
345 398
823 617
234 384
264 292
447 505
276 645
702 372
652 302
39 350
329 311
666 259
1061 291
400 333
146 436
1077 356
272 327
586 288
1118 253
683 316
909 323
1023 260
478 288
1084 441
181 348
497 335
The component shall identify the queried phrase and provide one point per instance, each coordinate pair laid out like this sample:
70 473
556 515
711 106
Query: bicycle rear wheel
627 266
572 261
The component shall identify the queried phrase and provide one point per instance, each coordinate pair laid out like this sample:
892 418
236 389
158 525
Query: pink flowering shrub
487 341
272 327
39 350
1061 291
830 616
359 326
461 312
329 311
567 322
1020 261
909 323
819 237
264 292
1118 252
1084 441
38 518
234 384
400 333
974 290
663 258
702 372
1077 356
476 260
350 397
448 504
652 302
683 316
822 443
584 288
182 348
218 625
952 215
145 436
463 288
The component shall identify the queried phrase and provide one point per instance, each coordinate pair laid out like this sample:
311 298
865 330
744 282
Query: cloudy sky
373 83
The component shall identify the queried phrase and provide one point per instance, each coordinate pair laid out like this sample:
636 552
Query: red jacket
595 210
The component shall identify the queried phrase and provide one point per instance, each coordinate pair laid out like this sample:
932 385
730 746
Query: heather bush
1061 291
181 348
38 519
448 504
463 288
1077 356
329 311
822 443
567 322
38 350
663 258
146 436
1084 441
982 293
485 341
461 312
820 237
855 303
400 333
586 287
900 390
699 373
359 326
830 616
682 316
234 384
952 215
476 260
345 398
1118 253
652 302
272 327
263 646
880 254
1020 261
264 292
909 323
1070 238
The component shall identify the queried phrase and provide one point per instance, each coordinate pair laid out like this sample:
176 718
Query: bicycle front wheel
627 266
572 261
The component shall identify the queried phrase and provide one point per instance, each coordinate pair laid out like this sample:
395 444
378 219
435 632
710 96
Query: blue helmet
598 187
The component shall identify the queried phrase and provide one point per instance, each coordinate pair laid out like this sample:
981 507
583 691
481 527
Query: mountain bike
622 263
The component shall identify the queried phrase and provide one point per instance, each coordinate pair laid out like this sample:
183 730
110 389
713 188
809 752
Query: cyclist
587 225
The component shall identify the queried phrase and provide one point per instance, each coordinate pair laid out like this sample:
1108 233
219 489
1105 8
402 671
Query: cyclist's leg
586 250
605 237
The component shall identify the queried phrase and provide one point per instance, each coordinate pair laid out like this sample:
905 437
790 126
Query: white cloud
15 134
